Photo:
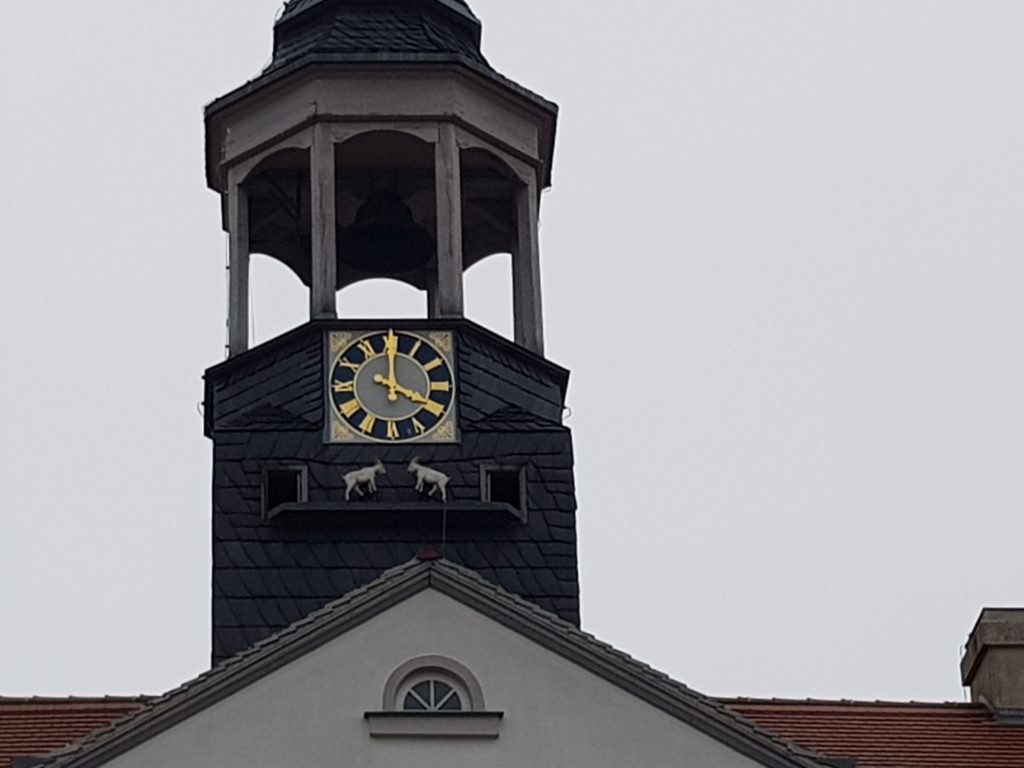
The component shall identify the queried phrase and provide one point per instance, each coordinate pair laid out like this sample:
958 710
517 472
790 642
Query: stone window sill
435 725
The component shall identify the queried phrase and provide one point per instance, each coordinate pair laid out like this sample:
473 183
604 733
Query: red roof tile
884 735
36 726
878 735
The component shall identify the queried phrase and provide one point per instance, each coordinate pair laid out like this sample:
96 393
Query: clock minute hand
391 349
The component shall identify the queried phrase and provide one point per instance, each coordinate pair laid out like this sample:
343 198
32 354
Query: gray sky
782 257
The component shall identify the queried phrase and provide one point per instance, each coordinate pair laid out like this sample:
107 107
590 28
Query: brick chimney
993 665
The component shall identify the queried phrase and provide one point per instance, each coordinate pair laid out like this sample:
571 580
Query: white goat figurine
426 476
367 476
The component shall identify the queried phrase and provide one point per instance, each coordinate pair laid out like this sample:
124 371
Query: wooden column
526 292
238 269
433 305
448 298
322 289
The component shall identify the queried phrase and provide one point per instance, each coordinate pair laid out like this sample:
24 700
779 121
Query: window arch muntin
432 690
425 668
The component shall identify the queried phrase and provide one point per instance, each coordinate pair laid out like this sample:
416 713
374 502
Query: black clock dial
391 386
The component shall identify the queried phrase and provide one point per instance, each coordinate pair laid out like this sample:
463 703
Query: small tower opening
283 484
504 485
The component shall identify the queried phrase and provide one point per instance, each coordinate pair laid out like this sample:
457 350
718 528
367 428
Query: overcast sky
782 257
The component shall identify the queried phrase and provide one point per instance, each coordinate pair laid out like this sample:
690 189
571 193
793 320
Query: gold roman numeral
347 364
368 423
349 408
416 348
392 431
367 349
420 429
433 408
440 386
344 386
435 363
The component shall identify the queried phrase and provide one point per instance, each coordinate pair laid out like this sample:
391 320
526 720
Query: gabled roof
398 584
34 726
884 735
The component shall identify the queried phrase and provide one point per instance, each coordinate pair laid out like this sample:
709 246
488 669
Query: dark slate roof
294 8
264 416
374 32
511 418
383 30
461 584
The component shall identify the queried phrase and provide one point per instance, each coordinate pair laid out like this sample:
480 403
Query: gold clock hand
412 394
391 349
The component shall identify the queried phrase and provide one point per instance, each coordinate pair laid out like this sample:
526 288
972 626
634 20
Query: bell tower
380 143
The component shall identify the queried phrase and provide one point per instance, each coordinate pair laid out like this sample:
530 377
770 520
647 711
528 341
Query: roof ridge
74 699
866 703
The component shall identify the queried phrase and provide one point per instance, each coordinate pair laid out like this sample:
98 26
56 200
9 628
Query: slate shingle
292 562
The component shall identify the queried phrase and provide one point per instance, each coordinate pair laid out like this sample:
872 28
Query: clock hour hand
394 386
416 397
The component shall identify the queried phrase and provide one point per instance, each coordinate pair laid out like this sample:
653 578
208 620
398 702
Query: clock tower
379 143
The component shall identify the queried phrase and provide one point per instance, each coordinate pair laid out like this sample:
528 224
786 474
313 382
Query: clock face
391 387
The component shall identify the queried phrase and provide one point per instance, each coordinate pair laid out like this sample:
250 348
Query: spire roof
377 30
293 8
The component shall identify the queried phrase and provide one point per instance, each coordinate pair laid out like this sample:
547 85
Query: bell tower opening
420 203
386 209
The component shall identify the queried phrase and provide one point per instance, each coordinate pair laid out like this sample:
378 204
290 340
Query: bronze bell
385 239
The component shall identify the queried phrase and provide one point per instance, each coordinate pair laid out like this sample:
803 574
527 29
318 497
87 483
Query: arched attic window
434 697
433 684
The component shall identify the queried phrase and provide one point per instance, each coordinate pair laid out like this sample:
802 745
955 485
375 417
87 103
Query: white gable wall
310 713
